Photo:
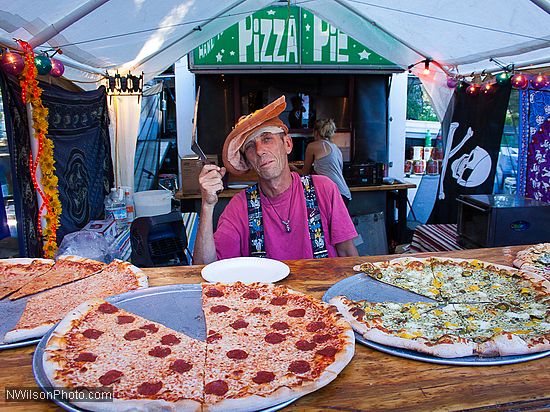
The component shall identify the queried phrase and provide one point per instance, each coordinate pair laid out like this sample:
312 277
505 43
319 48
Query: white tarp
150 35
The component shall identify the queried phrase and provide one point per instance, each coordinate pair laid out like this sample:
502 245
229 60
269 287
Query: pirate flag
474 132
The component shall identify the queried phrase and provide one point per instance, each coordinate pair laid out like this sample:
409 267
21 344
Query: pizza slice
502 329
431 328
15 273
412 274
535 259
147 365
67 269
44 310
292 345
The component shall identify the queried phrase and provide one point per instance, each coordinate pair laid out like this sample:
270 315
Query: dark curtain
78 127
472 146
26 203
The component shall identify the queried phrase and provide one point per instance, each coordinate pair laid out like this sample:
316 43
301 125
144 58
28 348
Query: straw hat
247 126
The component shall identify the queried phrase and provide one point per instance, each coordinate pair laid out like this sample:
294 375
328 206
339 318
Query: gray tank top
331 166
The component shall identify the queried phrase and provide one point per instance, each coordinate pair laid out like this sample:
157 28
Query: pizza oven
502 220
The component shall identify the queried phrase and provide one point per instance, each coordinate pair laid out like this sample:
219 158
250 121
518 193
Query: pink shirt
232 236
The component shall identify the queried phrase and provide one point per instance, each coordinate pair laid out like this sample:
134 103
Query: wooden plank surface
373 381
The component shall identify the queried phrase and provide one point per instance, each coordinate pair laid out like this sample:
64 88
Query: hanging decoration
12 63
31 93
519 81
57 69
503 78
43 64
540 82
452 82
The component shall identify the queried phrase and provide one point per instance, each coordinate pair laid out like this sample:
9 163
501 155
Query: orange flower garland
30 93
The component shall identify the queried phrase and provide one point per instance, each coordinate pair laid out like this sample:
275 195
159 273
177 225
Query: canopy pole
543 4
57 27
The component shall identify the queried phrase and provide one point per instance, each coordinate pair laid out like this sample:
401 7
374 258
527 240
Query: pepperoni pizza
265 344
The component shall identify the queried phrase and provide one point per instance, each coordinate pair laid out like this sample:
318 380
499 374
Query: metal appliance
502 220
365 174
159 240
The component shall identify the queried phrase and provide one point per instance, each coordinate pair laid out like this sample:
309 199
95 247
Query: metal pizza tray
178 307
10 312
363 287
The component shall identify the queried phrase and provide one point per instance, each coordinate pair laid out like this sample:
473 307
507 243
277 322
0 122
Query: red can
408 167
418 167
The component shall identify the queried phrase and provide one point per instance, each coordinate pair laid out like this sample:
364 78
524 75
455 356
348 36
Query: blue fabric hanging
4 228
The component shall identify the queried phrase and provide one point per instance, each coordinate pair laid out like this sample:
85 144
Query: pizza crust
140 405
17 335
508 344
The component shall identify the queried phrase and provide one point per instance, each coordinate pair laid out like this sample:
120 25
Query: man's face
267 154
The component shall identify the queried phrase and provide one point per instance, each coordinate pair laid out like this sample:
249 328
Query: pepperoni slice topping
315 326
213 293
305 345
218 388
219 309
149 388
329 351
213 337
134 334
274 338
263 377
150 327
160 352
279 301
107 308
180 366
86 357
123 319
239 324
170 340
110 377
299 366
92 333
321 338
261 311
251 294
280 325
358 313
297 313
237 354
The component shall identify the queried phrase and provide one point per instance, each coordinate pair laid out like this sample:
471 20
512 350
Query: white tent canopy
149 36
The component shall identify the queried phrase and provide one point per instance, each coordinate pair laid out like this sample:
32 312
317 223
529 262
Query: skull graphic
472 169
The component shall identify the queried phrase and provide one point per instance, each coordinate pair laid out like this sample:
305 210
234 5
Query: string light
426 70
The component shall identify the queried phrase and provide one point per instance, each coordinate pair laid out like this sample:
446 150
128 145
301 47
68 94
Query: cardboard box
191 167
107 228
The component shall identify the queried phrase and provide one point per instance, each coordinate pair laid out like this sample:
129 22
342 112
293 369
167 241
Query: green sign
284 36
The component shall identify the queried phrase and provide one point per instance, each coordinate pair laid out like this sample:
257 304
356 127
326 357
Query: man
283 216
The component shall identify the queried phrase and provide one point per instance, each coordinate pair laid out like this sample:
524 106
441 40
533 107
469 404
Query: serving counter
373 381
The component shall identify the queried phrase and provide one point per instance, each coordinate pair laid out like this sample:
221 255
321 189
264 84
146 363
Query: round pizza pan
178 307
363 287
10 312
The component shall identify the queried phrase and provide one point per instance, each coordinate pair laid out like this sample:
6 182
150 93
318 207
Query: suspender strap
316 233
256 224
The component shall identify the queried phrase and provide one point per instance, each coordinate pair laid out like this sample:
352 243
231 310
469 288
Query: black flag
471 150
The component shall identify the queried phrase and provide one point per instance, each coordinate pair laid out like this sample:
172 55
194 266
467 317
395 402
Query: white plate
246 270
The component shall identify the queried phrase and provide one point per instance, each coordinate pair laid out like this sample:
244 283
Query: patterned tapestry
26 204
78 127
534 153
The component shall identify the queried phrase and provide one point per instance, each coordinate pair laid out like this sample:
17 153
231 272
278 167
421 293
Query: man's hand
210 182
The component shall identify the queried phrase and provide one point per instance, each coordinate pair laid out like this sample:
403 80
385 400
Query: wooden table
373 380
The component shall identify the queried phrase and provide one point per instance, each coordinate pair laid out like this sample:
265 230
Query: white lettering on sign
260 33
205 48
331 37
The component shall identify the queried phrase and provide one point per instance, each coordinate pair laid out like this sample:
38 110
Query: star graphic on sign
305 15
232 53
307 27
364 55
223 51
271 12
219 57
